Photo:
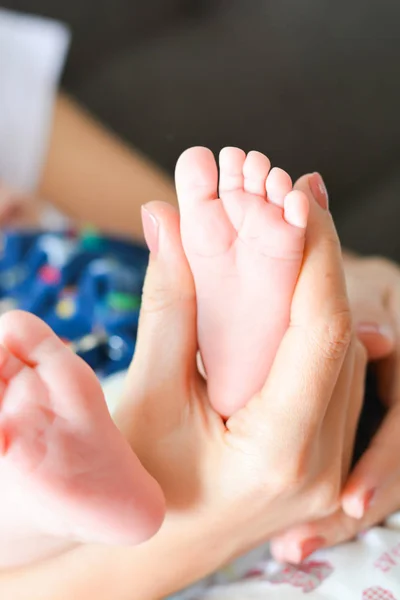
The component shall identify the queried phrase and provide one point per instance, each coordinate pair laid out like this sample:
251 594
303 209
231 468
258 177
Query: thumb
167 342
371 318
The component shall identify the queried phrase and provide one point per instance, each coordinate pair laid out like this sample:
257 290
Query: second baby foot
244 239
66 473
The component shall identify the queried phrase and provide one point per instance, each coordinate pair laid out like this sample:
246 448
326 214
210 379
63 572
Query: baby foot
245 250
66 472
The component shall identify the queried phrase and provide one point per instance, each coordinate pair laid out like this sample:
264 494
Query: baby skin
243 233
67 474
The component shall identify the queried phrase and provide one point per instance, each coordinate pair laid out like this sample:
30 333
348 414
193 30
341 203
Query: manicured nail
375 329
310 546
368 500
356 506
319 190
150 229
277 550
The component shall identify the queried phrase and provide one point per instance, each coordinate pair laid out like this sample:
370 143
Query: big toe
196 176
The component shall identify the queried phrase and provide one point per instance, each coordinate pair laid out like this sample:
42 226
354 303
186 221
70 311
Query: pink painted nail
319 190
150 229
368 499
375 329
311 545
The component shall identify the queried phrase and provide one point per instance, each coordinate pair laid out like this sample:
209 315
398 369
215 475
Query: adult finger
340 423
379 465
309 360
291 544
368 300
356 399
388 370
167 342
298 543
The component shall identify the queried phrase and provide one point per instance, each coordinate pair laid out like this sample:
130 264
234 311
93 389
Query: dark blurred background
313 83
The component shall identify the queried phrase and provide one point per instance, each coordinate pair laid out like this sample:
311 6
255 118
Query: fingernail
356 506
368 500
277 550
375 329
319 190
310 546
150 230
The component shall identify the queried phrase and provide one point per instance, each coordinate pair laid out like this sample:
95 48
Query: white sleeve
32 56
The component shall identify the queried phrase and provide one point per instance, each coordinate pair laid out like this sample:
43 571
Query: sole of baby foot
68 472
243 231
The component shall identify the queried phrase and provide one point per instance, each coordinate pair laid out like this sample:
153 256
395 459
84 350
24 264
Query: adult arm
228 486
93 177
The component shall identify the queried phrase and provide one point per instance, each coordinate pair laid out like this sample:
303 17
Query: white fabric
32 55
366 569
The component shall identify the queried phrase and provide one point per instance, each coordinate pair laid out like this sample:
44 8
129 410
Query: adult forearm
171 561
94 177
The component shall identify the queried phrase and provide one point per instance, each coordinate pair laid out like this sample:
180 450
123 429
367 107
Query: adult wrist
179 555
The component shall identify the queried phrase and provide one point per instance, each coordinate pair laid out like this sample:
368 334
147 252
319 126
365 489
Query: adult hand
372 491
231 486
